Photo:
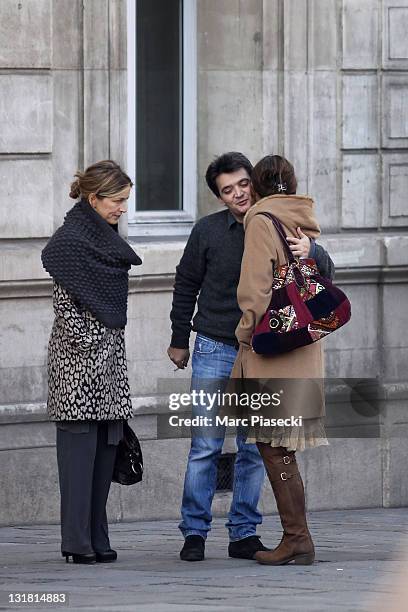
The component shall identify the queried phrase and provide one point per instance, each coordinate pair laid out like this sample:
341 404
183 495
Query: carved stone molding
395 27
395 111
395 204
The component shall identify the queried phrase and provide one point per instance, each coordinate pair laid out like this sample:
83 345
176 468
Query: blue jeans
212 364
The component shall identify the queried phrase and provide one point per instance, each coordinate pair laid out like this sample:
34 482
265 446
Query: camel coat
263 252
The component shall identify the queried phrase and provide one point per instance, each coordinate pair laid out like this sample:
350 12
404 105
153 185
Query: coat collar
292 211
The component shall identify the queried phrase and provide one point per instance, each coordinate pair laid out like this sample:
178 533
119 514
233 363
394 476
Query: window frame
179 222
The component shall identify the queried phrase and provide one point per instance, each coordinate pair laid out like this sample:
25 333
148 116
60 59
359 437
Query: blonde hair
105 179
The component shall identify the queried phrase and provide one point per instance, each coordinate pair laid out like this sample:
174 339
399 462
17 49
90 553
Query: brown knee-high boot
296 545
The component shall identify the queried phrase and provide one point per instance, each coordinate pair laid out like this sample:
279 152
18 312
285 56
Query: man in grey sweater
208 276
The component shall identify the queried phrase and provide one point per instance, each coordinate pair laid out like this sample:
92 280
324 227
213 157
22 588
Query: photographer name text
254 420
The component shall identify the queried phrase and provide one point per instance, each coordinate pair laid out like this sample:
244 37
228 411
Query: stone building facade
324 82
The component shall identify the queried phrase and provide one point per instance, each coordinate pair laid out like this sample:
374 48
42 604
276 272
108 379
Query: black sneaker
246 548
193 549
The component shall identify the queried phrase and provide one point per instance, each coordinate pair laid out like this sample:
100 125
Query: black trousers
86 454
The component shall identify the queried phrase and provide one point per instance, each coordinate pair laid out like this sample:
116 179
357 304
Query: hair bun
75 190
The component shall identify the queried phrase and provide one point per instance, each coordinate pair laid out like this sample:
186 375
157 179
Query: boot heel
304 559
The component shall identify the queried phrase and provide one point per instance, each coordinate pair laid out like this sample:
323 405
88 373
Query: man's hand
300 247
179 356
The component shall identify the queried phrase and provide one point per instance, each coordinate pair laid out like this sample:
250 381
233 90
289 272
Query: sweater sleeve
255 283
189 276
323 260
83 334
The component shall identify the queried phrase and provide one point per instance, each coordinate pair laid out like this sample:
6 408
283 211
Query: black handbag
128 468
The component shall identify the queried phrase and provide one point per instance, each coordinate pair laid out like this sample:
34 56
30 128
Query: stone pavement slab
358 554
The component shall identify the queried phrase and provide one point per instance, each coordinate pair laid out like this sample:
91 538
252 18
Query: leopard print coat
87 369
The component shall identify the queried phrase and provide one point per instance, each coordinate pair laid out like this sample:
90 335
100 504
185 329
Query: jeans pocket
204 346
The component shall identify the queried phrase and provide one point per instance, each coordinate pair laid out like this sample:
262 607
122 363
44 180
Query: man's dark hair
226 163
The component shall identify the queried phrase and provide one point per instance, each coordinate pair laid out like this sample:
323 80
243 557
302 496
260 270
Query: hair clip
281 187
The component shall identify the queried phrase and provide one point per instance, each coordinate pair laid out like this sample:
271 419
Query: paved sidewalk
358 553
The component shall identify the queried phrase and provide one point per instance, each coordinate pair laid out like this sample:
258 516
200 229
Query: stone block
145 306
351 363
66 139
395 45
117 116
159 494
394 408
29 485
323 147
145 426
96 115
396 479
345 474
396 359
25 34
147 338
25 113
230 35
360 34
26 326
323 49
272 35
21 261
396 248
295 35
395 446
398 183
352 253
360 111
29 212
270 113
395 183
96 34
222 106
360 197
296 129
362 329
158 258
67 35
144 374
395 113
395 317
26 435
117 35
398 25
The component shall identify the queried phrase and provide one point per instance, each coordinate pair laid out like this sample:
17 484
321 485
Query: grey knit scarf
91 261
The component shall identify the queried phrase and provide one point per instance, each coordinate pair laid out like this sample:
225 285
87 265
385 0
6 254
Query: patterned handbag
304 308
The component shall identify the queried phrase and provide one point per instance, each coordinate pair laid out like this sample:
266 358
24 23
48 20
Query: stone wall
321 81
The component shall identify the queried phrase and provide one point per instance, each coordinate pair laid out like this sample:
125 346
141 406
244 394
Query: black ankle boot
246 548
87 559
193 549
106 556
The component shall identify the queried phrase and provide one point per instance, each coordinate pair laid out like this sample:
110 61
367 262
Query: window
162 115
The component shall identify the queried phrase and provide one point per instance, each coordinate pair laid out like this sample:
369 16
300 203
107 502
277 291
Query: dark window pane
158 104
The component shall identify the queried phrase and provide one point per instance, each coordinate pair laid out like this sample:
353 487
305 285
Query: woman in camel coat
274 184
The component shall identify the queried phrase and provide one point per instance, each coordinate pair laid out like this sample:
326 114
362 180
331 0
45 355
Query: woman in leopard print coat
87 370
88 388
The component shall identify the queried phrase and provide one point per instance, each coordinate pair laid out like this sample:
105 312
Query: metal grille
225 472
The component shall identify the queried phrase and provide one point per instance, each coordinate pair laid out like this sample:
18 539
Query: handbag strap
299 278
282 236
